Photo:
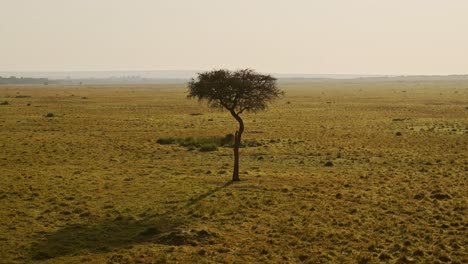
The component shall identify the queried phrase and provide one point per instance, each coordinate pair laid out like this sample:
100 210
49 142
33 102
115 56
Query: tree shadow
196 200
105 235
101 236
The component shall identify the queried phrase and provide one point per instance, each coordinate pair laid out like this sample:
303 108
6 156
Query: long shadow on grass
196 200
103 236
109 234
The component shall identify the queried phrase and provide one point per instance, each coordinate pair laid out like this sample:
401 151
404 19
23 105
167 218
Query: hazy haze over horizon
320 37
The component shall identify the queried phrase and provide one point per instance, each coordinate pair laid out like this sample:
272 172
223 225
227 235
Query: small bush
4 103
200 141
50 115
228 140
188 142
166 141
208 147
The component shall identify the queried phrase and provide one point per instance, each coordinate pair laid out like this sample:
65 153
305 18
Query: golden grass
90 184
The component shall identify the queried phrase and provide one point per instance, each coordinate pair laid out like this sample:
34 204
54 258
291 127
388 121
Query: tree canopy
238 91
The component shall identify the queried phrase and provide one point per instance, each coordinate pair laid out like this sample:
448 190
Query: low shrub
228 140
188 142
166 141
206 143
201 143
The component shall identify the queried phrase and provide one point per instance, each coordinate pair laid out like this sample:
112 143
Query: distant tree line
23 80
97 81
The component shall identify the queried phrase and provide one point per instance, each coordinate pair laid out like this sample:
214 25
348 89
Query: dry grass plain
91 185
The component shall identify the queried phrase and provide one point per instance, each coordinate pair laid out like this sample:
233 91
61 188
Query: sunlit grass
92 184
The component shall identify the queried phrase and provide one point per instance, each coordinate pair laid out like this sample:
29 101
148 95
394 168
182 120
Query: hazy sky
290 36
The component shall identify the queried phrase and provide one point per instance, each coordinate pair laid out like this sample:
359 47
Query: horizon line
272 73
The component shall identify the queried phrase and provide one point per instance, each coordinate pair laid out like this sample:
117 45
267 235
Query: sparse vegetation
208 147
97 188
206 143
167 141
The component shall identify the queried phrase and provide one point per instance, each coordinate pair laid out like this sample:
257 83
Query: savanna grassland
337 172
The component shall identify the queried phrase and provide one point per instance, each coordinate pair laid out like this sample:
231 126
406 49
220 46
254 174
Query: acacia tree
238 92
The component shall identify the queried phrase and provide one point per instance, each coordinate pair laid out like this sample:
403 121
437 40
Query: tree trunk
237 143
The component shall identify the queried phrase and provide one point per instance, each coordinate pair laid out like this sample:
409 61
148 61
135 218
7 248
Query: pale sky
290 36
